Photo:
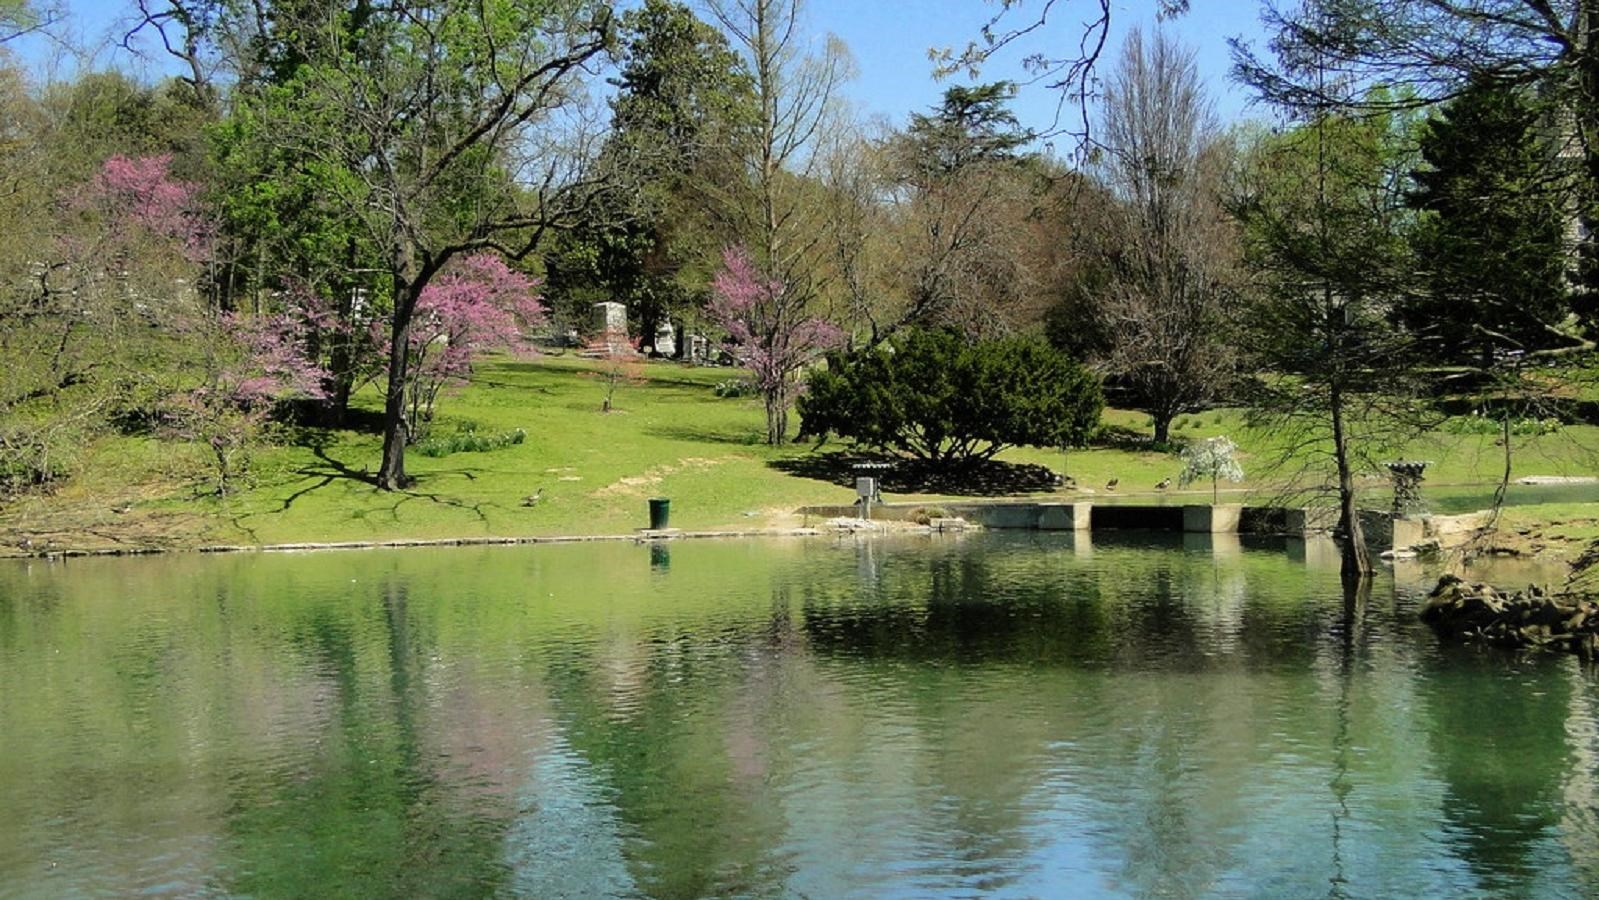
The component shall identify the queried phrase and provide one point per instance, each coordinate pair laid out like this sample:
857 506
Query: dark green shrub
939 396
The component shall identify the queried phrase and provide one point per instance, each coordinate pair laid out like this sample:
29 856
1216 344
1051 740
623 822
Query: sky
889 40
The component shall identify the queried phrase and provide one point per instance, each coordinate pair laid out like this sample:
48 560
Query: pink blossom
275 363
763 322
141 193
478 303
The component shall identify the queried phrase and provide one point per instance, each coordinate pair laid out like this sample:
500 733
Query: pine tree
1490 237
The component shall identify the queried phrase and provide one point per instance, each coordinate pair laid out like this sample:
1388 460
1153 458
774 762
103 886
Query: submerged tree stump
1478 613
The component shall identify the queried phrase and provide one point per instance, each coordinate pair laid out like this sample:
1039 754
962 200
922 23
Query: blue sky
889 40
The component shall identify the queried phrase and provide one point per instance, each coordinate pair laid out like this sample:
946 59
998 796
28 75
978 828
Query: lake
996 714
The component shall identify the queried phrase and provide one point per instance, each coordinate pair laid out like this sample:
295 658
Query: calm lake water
1028 715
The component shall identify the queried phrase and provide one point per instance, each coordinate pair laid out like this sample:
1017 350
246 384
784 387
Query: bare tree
795 87
859 226
1170 250
1073 74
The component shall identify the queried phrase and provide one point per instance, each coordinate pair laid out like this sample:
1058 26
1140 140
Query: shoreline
1512 541
639 537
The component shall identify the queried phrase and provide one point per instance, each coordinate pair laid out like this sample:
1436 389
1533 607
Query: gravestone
666 340
699 348
609 325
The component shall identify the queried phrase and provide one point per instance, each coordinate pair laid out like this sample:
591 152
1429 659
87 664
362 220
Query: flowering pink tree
479 303
133 233
766 324
144 200
249 367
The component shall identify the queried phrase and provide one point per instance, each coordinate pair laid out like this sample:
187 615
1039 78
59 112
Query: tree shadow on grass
411 493
991 478
328 470
743 438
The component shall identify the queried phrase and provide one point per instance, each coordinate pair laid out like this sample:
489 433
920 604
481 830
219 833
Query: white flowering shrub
1214 458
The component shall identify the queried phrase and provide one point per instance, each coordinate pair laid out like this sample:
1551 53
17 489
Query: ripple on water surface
1014 715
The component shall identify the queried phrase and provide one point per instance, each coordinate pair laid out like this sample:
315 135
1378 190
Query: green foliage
939 396
1487 425
971 125
736 387
683 102
1490 239
468 439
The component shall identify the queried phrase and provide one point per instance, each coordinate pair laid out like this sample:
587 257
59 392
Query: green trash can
660 513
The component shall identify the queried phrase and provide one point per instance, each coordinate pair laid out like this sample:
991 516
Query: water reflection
1021 714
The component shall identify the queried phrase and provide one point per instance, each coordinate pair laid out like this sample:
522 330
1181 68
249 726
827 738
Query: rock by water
1467 611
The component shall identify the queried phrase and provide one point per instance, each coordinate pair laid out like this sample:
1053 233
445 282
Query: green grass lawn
668 436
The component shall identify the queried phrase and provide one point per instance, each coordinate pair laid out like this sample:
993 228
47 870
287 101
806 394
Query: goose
533 498
1164 484
1111 484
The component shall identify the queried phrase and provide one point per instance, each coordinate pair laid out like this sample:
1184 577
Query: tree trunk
776 416
341 362
1356 558
1587 112
396 430
1162 426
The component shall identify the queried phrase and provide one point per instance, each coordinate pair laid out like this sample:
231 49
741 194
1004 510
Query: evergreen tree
683 102
1490 240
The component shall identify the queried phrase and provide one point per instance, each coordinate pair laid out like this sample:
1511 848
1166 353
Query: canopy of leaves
1491 235
684 103
939 396
970 125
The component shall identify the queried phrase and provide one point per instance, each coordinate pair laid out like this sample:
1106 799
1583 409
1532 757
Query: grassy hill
669 435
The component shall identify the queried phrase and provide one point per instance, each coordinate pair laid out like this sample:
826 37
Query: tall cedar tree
682 108
1323 215
1490 243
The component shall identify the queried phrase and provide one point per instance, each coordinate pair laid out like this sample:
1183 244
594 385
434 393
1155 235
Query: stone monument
699 348
665 340
609 325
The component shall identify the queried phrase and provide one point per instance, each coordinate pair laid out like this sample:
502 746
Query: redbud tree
477 304
768 329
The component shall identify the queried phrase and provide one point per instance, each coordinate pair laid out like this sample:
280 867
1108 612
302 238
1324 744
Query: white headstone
666 339
610 327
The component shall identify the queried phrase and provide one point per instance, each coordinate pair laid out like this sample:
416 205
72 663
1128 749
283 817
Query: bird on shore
533 498
1164 484
1111 484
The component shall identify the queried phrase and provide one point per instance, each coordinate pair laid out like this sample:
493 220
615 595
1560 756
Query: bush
735 388
939 396
1527 427
467 439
